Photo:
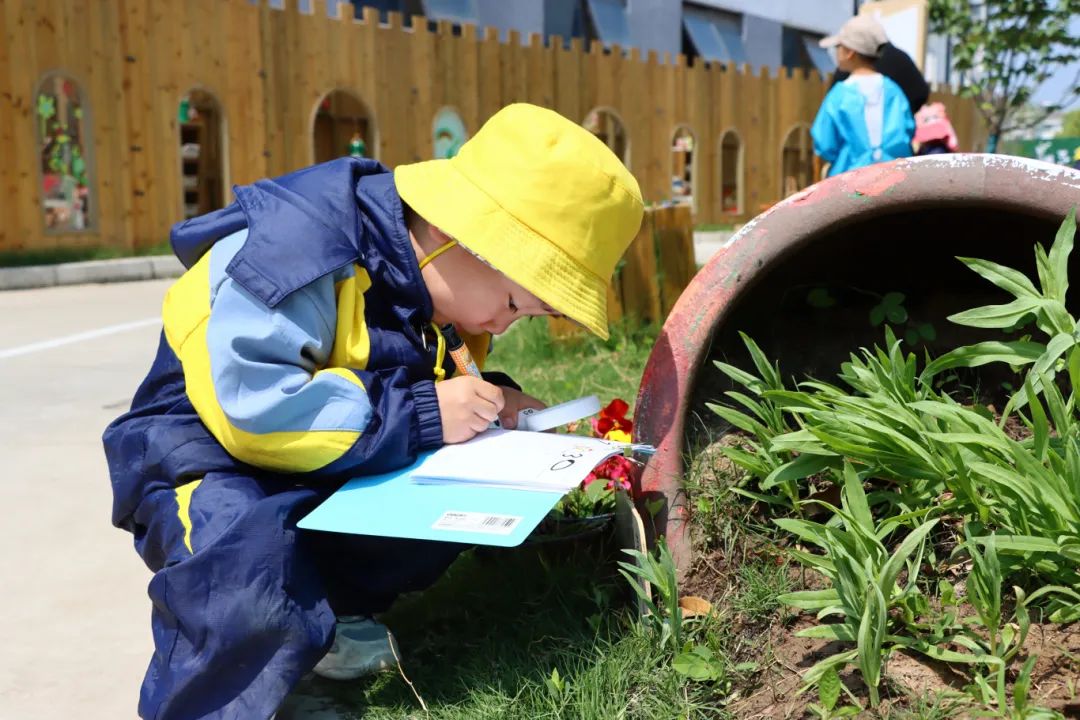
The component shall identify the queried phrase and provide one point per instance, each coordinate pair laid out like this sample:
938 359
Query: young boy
866 118
302 349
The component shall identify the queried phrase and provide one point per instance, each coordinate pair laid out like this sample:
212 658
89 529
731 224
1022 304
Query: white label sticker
456 521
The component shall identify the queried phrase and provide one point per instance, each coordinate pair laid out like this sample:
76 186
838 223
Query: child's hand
468 405
516 401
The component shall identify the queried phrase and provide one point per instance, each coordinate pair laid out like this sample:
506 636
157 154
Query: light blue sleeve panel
265 361
824 130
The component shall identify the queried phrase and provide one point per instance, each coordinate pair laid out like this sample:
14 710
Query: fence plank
8 184
638 287
673 229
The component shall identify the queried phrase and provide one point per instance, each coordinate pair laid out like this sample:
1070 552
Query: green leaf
742 377
1040 425
1005 278
854 499
1013 353
877 315
1059 254
871 638
801 467
893 299
928 332
839 631
1044 365
998 316
892 568
829 688
697 664
937 652
1020 543
839 660
768 372
896 314
1066 614
740 420
810 599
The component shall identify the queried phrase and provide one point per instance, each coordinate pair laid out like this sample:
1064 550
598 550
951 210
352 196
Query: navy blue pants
244 603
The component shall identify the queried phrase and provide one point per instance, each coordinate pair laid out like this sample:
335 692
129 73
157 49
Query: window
713 36
796 161
342 126
731 173
819 56
801 51
407 8
457 11
607 126
683 167
609 22
66 199
202 157
448 133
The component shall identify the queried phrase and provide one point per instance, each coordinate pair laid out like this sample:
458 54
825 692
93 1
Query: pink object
932 123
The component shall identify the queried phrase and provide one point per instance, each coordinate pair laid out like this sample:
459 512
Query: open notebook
493 490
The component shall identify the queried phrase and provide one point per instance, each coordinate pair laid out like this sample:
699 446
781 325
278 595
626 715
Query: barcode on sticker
457 521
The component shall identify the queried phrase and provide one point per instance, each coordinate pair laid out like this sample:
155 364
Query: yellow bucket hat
542 200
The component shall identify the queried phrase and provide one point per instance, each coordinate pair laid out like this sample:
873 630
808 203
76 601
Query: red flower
616 470
613 417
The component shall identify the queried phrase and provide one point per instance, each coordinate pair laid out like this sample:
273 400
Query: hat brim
829 42
444 196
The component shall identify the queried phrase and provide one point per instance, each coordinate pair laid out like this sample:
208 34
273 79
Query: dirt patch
1055 680
907 676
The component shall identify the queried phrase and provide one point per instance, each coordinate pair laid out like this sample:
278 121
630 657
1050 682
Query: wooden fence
94 152
656 268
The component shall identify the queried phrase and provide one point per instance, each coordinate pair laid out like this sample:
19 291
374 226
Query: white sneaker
361 647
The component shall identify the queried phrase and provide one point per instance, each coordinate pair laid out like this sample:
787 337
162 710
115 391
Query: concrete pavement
74 609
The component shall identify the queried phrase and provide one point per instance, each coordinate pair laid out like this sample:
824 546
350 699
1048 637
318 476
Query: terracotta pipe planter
895 227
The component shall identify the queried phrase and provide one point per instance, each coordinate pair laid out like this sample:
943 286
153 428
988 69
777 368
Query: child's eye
511 305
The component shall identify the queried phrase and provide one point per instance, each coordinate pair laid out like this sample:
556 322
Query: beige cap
862 33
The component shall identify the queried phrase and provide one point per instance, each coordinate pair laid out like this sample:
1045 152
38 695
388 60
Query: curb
157 267
151 267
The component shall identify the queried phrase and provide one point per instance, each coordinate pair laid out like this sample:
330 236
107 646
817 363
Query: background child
866 118
301 349
934 134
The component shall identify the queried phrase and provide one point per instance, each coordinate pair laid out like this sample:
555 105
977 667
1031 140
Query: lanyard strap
439 251
440 347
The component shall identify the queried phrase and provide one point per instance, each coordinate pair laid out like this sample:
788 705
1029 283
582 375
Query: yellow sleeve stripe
186 314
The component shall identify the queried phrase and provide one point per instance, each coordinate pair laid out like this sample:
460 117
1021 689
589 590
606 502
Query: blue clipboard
392 505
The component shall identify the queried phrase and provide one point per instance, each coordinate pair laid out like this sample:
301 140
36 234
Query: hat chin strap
438 251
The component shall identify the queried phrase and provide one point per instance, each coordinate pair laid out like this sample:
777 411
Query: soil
783 657
907 677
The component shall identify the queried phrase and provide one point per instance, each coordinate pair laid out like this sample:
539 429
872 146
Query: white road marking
77 337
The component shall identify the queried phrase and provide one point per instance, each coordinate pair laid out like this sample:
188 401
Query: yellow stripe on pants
183 509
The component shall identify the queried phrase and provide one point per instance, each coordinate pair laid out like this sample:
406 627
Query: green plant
829 687
761 585
1044 306
761 420
593 499
996 700
863 575
657 571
